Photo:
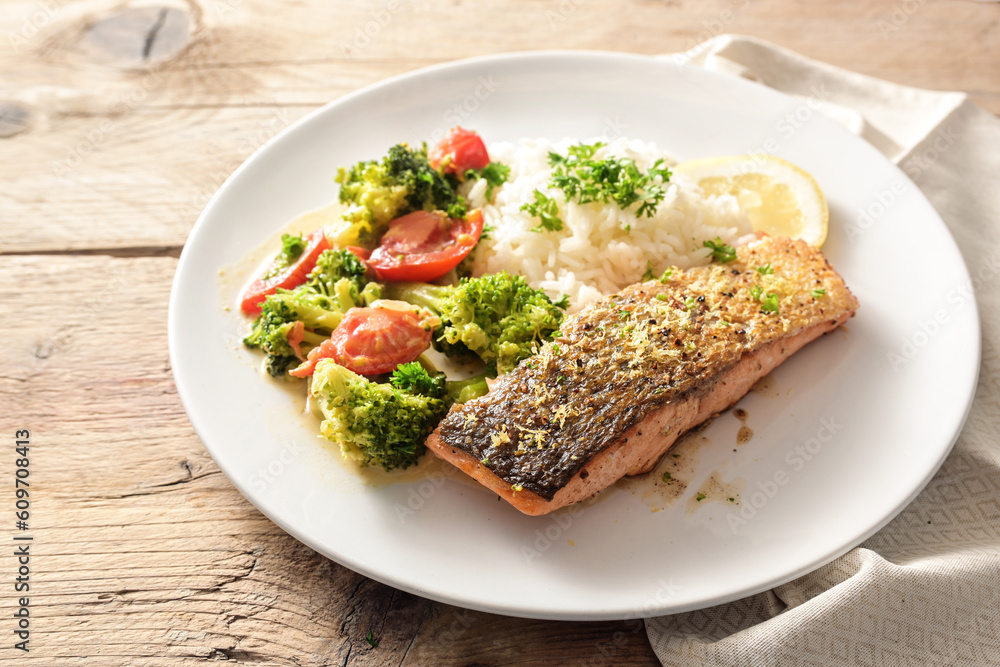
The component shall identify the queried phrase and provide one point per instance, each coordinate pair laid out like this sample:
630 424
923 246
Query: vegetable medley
353 311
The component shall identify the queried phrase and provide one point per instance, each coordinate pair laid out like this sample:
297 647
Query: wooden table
117 123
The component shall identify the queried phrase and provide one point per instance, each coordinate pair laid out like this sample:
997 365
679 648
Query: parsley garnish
666 477
700 497
495 173
580 152
586 180
721 252
648 275
765 270
817 293
624 314
770 303
414 378
545 209
371 639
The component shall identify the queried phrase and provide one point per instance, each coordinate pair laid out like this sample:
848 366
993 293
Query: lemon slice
780 198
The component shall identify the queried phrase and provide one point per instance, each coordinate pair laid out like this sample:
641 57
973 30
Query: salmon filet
629 374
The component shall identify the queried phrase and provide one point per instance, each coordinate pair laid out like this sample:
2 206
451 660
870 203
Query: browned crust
675 351
618 459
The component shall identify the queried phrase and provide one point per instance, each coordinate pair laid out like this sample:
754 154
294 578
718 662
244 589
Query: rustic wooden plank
147 555
109 150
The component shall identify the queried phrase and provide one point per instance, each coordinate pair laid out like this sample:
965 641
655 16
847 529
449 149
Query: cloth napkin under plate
925 590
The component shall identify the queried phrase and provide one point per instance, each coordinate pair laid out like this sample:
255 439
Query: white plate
853 437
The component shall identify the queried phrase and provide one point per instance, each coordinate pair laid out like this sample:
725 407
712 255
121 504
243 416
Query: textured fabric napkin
925 590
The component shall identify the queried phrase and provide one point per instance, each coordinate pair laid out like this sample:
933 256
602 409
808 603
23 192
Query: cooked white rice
601 248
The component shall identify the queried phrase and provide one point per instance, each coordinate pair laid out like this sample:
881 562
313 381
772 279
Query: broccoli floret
292 248
274 341
499 317
375 423
278 315
317 311
334 265
402 182
334 286
428 188
269 332
340 274
376 197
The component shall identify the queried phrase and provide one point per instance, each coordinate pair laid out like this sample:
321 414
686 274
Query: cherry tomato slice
291 276
371 341
423 246
361 253
459 151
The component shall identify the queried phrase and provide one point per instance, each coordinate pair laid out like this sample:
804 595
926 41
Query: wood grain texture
123 151
118 120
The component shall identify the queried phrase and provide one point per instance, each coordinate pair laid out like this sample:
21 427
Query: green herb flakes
721 252
585 180
547 211
495 175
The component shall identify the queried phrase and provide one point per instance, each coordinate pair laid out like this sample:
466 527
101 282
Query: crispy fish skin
633 371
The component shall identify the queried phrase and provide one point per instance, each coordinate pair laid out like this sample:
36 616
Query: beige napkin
926 589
